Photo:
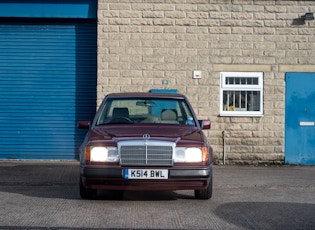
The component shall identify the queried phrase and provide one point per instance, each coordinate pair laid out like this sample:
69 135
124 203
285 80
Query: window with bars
241 94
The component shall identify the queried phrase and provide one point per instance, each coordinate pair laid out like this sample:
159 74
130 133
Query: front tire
87 193
205 194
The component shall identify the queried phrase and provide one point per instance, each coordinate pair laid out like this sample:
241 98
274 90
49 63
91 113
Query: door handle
307 123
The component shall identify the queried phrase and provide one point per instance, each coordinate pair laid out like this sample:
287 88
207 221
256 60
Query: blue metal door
47 83
300 118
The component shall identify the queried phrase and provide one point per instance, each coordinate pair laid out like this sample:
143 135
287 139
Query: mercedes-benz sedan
145 141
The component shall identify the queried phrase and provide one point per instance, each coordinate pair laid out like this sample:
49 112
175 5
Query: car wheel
87 193
206 193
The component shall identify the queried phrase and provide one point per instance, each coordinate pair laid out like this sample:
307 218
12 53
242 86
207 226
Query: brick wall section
141 43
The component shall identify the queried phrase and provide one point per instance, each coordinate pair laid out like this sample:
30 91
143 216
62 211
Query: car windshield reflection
145 111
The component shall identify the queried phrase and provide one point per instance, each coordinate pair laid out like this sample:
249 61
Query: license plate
145 173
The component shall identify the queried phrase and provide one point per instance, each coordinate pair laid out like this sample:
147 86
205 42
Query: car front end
141 155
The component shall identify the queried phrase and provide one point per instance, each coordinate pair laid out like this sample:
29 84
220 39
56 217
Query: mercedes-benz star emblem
146 136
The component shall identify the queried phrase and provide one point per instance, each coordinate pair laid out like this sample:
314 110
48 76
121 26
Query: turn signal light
205 154
87 153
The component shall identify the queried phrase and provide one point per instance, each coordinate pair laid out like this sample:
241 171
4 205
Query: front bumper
181 178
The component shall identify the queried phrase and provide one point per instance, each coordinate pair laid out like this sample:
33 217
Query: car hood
170 132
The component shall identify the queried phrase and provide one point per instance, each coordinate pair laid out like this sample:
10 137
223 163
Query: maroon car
145 141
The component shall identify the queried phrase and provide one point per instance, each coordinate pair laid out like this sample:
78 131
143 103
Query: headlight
191 155
103 154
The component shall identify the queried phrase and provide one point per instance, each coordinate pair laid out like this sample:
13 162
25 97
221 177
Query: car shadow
268 215
61 191
61 180
71 192
142 195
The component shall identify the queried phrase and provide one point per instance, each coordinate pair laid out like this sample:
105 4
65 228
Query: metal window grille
241 93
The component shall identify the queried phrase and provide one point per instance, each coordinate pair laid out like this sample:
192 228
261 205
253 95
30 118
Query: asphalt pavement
44 195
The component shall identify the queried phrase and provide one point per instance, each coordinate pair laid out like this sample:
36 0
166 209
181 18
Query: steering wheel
121 120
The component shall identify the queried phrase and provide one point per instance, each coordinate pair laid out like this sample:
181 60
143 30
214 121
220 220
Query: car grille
143 153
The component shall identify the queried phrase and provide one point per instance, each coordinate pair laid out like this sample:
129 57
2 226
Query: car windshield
145 111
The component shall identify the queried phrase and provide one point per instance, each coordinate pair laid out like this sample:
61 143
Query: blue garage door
300 119
47 84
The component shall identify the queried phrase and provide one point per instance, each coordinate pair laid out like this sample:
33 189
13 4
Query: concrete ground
44 195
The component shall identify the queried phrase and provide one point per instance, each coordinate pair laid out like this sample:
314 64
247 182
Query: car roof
147 95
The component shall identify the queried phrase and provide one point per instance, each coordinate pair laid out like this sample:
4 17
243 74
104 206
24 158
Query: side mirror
83 124
205 124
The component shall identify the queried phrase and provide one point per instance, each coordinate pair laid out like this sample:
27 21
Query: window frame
241 87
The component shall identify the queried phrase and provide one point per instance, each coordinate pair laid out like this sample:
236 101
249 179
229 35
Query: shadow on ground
61 180
267 215
71 192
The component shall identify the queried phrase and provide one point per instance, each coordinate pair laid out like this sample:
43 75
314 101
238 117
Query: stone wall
142 42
